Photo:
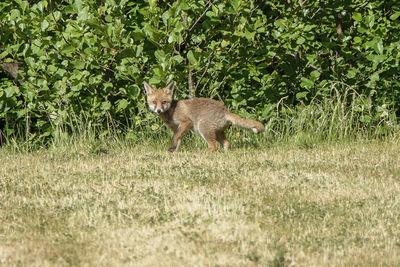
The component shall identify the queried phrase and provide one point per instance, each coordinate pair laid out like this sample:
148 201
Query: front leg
178 133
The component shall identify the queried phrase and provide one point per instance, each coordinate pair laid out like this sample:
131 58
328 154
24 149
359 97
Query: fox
206 116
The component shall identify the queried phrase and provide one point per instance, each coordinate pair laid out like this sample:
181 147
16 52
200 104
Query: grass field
322 205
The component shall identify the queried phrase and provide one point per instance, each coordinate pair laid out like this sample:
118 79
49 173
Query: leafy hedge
75 63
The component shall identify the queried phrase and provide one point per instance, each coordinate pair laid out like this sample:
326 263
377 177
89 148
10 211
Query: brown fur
206 116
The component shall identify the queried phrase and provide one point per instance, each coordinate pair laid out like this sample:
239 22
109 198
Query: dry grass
327 205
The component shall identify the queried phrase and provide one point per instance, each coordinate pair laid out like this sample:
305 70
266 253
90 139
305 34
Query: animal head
159 100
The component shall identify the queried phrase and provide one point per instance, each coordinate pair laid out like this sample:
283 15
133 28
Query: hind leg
222 140
210 137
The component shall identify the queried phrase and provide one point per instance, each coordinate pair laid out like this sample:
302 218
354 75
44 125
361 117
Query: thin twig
316 68
205 71
201 16
58 26
313 15
216 88
190 81
168 4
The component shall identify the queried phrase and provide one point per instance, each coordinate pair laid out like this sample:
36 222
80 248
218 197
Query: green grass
115 203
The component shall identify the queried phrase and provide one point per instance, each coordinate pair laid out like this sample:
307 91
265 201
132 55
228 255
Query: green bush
72 65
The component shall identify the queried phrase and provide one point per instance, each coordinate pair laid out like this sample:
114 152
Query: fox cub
206 116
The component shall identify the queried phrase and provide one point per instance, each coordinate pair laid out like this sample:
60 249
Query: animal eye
164 102
155 102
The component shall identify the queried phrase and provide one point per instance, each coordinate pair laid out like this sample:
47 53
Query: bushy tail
245 123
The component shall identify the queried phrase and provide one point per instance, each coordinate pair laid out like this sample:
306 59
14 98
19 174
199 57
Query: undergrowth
341 117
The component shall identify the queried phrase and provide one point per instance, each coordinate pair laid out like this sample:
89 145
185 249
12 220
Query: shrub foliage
71 63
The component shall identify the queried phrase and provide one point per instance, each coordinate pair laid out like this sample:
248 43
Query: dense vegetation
76 65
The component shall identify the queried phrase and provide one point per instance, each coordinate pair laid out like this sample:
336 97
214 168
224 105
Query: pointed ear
148 88
170 88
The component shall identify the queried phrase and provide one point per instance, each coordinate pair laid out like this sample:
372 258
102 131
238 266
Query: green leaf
379 47
57 15
183 5
315 75
376 44
306 83
68 49
15 15
308 28
224 43
22 4
155 80
357 40
30 61
78 5
165 18
235 4
158 72
153 3
160 55
21 113
357 16
78 64
42 5
374 77
11 90
249 35
351 73
155 127
191 58
105 43
3 54
279 23
106 105
395 15
171 38
376 58
51 69
108 18
300 40
301 95
83 14
122 104
370 20
178 59
139 50
44 25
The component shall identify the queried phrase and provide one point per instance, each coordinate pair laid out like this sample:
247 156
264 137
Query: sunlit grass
113 204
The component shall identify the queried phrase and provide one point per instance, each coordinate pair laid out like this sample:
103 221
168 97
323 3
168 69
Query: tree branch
201 16
190 82
205 71
316 68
